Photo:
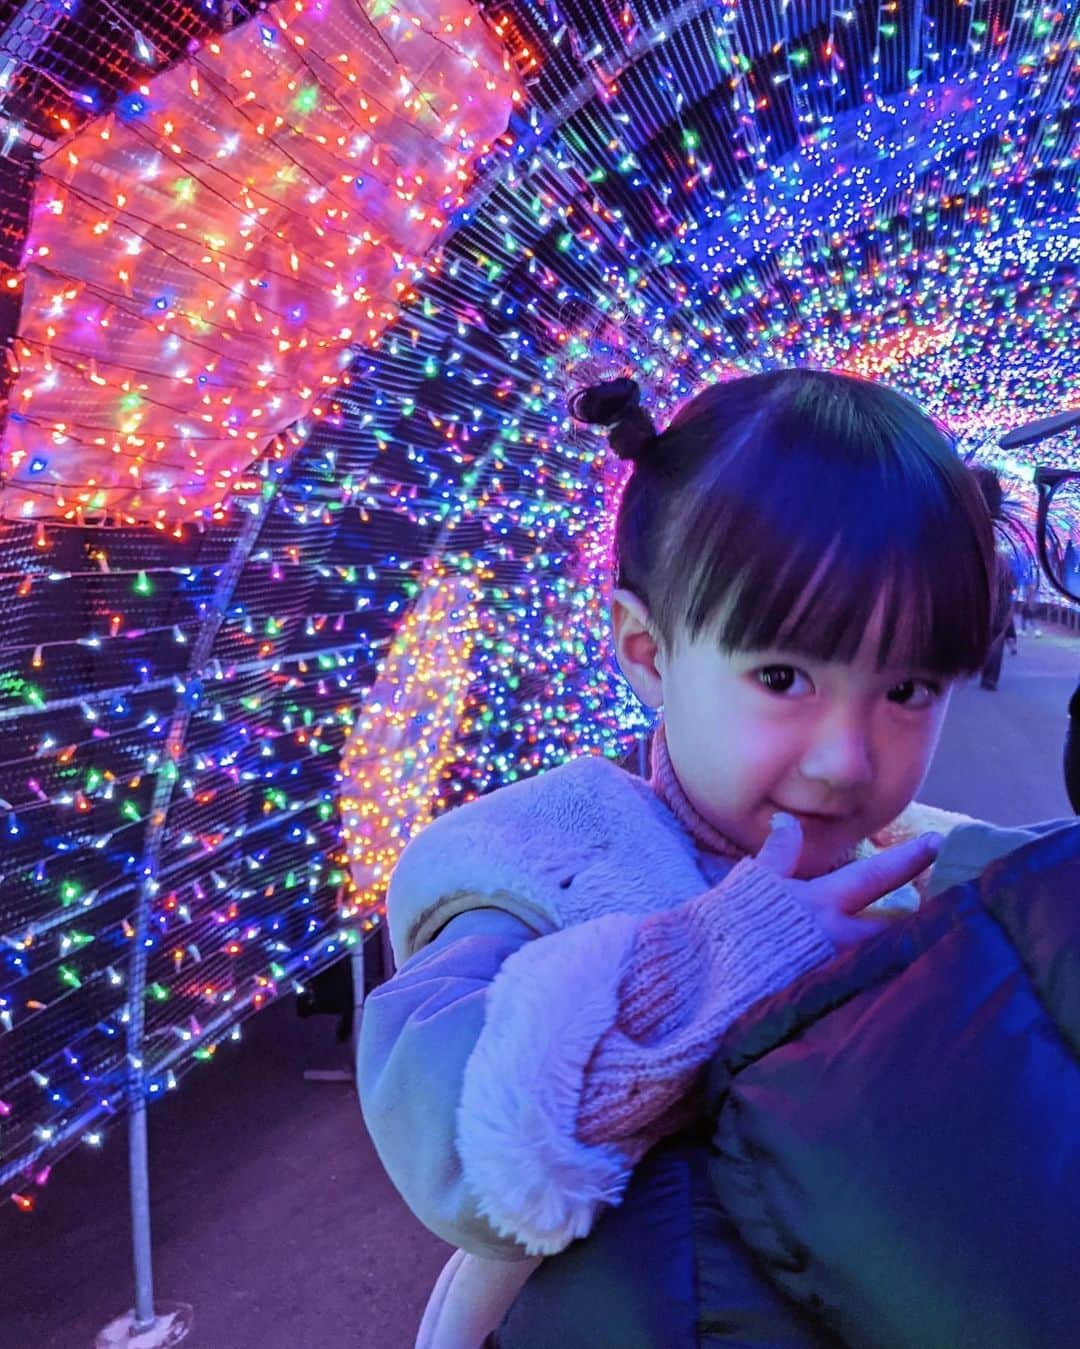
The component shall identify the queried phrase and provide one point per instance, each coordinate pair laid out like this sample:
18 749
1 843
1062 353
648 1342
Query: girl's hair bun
617 403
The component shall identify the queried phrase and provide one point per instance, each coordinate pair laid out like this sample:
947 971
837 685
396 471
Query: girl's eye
782 679
915 693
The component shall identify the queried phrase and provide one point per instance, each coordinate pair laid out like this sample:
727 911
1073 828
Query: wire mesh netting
686 192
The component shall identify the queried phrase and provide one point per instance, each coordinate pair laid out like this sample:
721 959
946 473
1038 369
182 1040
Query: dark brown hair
777 510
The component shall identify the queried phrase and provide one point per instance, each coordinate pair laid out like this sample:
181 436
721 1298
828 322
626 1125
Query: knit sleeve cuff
691 973
749 930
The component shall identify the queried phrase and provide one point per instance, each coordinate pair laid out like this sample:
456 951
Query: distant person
805 570
1071 570
1003 622
1029 604
1004 584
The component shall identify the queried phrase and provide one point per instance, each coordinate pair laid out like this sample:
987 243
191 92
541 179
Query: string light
421 616
242 222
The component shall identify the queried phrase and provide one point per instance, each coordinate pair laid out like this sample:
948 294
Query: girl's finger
861 883
782 849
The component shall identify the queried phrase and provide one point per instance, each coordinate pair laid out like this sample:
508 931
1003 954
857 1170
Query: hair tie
616 403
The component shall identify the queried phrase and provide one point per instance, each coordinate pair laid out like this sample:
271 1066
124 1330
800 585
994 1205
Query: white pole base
172 1323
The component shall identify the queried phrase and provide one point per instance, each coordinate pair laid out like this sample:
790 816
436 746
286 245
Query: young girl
803 571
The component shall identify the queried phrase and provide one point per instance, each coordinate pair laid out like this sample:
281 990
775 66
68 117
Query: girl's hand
838 899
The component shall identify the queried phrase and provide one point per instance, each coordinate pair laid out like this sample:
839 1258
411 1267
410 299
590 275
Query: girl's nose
839 756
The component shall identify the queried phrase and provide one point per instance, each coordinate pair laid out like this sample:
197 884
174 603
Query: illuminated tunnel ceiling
418 591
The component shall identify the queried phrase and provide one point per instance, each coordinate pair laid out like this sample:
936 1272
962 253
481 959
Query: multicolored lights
243 221
405 605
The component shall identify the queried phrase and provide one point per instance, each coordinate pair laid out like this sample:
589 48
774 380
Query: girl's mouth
810 816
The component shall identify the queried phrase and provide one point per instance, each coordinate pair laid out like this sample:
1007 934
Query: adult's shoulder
974 844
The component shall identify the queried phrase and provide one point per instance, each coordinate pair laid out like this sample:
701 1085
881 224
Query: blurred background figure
1005 595
1071 568
1029 599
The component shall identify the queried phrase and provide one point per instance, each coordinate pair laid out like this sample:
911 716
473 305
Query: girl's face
843 747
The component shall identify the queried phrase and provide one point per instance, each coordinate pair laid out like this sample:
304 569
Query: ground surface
272 1216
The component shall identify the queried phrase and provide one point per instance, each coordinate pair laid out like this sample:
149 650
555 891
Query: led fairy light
585 255
244 220
397 753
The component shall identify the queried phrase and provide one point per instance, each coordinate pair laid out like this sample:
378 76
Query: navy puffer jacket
890 1158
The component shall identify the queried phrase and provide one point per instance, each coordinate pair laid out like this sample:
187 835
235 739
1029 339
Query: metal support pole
140 1218
359 994
360 989
171 1323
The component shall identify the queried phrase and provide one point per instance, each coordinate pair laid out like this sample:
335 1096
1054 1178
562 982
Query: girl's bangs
821 570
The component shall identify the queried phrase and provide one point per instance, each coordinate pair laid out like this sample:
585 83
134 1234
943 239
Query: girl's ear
636 647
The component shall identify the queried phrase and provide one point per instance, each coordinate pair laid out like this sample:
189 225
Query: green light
307 100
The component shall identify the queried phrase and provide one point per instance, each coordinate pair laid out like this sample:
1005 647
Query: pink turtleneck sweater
690 973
